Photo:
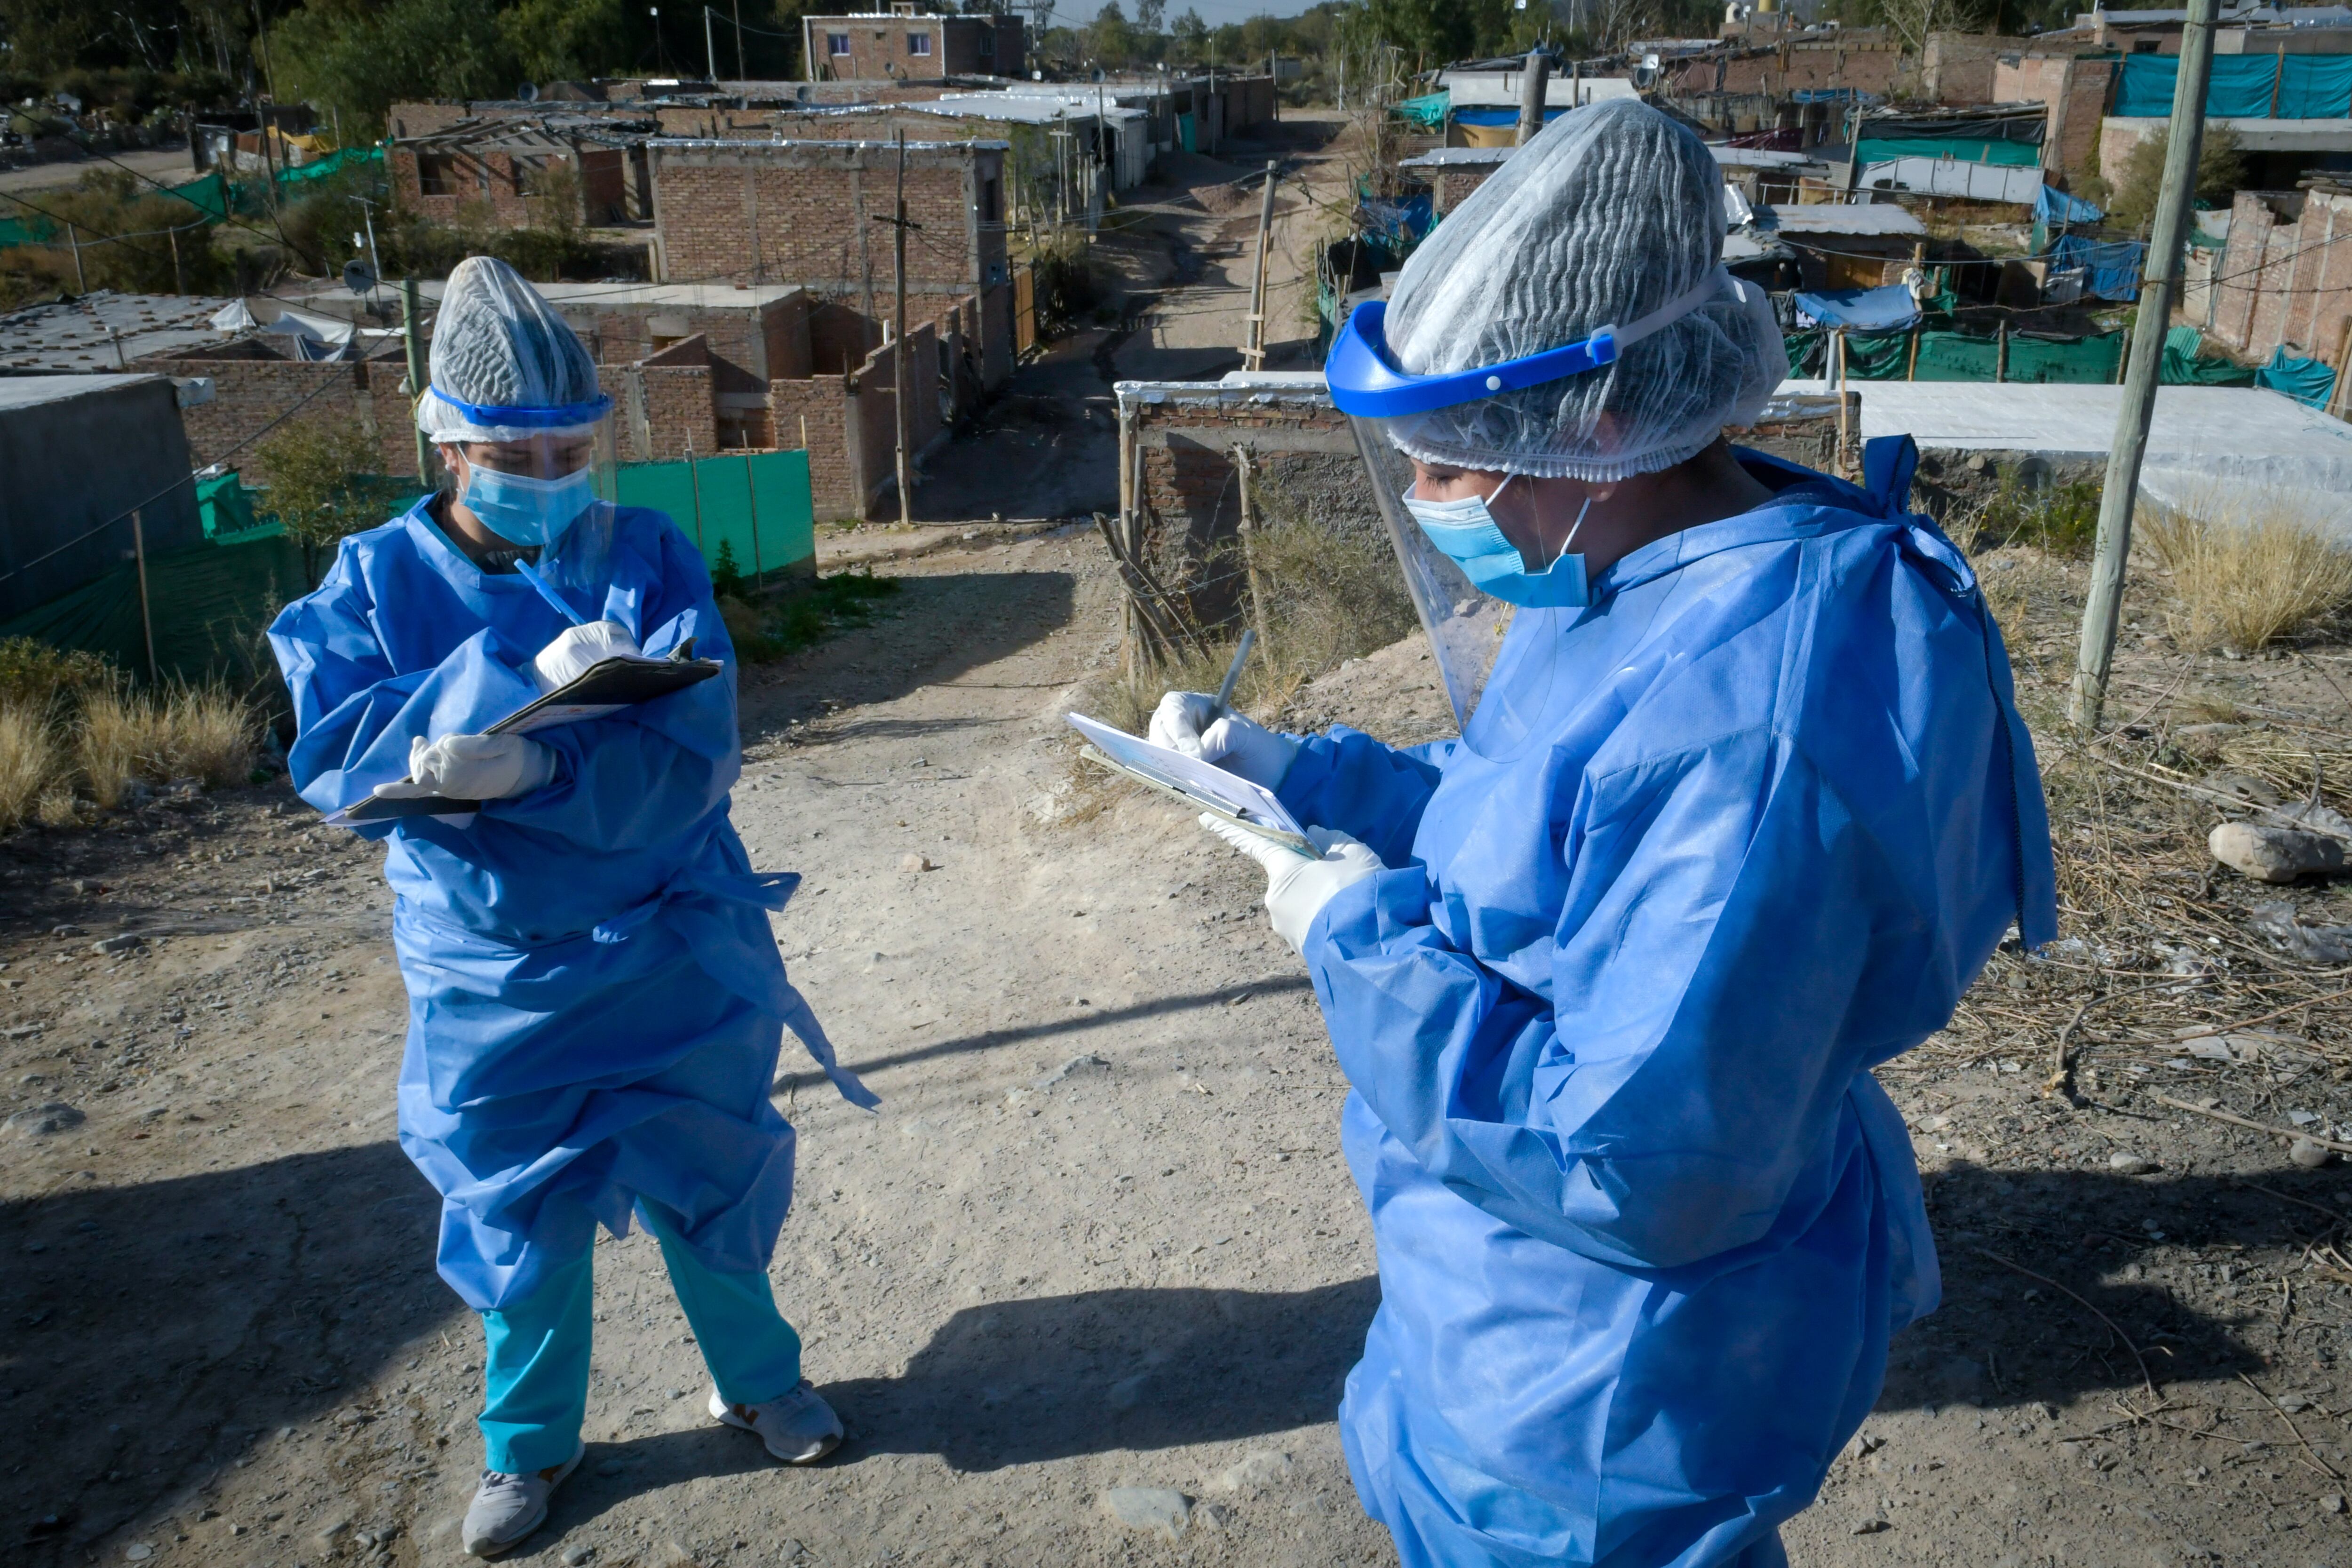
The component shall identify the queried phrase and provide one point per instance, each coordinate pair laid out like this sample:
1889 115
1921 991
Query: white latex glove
474 767
568 656
1296 888
1183 722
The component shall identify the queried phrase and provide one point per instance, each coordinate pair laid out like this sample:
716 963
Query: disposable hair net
1610 214
496 345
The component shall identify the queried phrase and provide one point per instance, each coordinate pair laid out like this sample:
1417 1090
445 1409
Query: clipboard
1191 782
605 687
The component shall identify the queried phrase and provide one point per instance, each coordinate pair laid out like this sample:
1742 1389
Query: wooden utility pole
1534 77
146 621
741 69
1254 354
73 238
412 331
899 348
2159 286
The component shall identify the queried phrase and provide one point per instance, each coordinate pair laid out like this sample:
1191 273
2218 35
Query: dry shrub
1329 597
2245 577
200 733
31 761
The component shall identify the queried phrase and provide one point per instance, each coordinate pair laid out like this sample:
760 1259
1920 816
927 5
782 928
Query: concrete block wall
2287 275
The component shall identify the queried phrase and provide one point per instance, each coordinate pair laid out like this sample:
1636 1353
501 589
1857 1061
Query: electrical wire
175 484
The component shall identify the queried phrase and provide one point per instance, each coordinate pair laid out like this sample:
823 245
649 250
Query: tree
1110 39
562 40
2219 169
357 58
1192 35
1148 13
320 483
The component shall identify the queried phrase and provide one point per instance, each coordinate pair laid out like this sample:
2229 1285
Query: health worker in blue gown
595 999
1740 805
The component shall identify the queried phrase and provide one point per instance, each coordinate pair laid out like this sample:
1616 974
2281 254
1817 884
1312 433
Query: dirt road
1098 1252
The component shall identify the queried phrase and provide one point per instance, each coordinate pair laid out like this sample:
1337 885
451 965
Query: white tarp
1954 178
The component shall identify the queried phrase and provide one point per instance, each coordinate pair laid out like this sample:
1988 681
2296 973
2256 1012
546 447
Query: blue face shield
525 511
1467 533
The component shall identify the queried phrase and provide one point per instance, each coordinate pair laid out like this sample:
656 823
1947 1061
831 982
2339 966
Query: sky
1216 13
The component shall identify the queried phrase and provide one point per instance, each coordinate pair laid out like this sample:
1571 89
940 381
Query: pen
547 591
1234 673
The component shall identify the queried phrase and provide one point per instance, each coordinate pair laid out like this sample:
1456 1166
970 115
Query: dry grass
1330 596
198 733
2243 578
31 761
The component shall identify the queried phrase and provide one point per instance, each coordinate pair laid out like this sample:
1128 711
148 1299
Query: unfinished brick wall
2287 280
1450 186
1307 471
507 185
2075 92
252 388
748 344
820 413
664 403
803 212
1796 67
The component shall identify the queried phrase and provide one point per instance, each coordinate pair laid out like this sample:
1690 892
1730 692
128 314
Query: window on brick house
918 43
436 174
837 43
2147 45
529 173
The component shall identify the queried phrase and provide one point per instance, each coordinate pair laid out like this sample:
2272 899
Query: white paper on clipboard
1203 784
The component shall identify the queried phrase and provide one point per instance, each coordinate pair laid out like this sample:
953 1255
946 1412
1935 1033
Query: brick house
902 43
514 168
804 213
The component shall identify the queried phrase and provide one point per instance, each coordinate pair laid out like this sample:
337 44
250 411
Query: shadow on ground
936 627
2002 1337
198 1313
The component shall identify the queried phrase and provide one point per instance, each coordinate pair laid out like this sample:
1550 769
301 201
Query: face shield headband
1365 381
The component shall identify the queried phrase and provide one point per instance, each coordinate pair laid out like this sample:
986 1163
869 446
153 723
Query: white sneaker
798 1427
508 1507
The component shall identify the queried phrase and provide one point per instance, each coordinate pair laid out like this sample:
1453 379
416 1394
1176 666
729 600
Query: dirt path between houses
1100 1236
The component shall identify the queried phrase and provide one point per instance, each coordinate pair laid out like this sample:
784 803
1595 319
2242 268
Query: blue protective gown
595 1000
1645 1222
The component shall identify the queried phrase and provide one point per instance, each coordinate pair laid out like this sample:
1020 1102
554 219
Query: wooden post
73 238
2000 352
1247 529
752 502
412 331
1254 354
898 350
146 620
1534 77
2159 286
694 477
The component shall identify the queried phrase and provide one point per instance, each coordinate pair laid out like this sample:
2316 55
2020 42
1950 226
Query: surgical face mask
526 511
1467 533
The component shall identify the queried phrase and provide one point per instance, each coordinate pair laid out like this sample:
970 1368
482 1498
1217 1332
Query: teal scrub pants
535 1375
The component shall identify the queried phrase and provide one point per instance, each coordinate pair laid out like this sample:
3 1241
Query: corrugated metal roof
82 335
1875 218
